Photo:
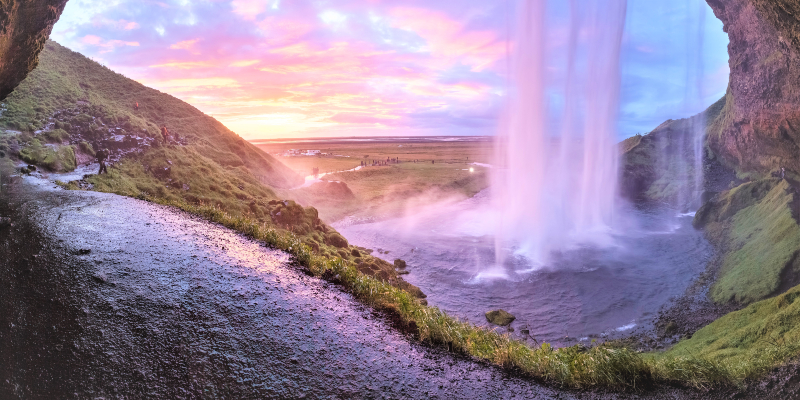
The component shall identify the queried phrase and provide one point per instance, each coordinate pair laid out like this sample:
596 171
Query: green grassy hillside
740 345
65 78
70 106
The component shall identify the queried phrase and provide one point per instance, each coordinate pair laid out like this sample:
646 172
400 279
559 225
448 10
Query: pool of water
583 292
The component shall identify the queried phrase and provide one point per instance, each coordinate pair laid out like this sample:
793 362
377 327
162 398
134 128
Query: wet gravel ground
103 296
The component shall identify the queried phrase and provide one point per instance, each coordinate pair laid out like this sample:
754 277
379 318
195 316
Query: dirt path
106 296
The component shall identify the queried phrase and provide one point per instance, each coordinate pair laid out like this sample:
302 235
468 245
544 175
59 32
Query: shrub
336 240
56 136
86 148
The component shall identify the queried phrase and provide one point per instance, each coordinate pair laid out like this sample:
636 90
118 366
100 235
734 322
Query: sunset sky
289 68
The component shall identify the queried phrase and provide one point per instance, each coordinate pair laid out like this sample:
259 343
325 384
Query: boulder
413 290
399 264
336 240
331 191
500 317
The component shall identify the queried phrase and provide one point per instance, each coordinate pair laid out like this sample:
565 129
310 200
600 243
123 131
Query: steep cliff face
660 166
759 129
25 26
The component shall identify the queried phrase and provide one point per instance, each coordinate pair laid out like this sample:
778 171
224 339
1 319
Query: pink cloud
248 9
448 39
129 25
106 45
188 45
121 24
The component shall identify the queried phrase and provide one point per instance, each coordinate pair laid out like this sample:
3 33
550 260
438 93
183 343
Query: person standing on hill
165 133
102 155
136 106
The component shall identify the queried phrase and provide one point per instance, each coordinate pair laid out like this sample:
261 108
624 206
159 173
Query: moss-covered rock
759 128
500 317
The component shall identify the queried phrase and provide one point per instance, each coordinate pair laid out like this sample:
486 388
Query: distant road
374 139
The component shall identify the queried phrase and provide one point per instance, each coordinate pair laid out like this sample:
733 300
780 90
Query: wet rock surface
167 306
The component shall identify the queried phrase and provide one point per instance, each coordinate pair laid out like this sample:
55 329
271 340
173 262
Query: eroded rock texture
759 129
25 26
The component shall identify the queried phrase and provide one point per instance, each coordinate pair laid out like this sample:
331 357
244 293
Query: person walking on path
165 133
102 155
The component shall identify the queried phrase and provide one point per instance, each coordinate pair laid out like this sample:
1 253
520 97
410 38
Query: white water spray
557 187
696 67
681 151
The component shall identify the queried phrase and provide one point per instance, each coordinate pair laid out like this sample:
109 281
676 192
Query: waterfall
556 181
681 150
696 66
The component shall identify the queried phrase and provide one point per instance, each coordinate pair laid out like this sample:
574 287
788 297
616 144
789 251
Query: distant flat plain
430 169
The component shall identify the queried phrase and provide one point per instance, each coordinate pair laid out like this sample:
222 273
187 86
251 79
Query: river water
583 293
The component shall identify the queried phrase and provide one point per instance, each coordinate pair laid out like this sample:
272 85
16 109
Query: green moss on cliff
754 228
177 172
744 343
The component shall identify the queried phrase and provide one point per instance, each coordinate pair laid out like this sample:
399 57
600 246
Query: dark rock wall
25 26
760 127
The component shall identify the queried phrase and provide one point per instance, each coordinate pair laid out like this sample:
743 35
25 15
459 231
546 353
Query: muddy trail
103 296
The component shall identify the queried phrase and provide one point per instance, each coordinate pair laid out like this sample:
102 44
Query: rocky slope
759 128
25 25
